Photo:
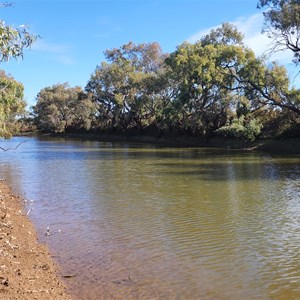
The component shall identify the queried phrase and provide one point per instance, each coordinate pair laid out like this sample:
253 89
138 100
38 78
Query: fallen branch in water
7 149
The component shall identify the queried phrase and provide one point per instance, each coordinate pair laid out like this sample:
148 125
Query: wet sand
27 270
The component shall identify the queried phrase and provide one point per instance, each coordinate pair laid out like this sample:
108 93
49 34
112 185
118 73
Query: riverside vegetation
214 87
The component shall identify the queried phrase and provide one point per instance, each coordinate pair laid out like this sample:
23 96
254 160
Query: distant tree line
216 86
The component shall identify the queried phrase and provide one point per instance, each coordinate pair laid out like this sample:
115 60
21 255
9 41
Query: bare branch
7 149
6 4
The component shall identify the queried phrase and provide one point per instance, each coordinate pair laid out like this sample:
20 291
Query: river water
130 221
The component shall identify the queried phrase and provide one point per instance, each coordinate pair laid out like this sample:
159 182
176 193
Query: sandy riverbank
26 268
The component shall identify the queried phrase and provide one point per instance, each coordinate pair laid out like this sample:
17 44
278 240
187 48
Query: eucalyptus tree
268 85
124 86
267 88
282 24
223 87
11 103
13 40
214 85
60 108
207 90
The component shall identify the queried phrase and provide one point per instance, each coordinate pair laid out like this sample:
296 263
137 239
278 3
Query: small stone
4 281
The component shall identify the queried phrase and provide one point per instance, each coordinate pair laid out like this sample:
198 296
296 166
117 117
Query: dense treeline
216 86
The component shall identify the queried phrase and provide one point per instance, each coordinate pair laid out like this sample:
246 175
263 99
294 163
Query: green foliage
13 40
60 108
11 103
205 73
242 128
227 35
125 87
267 85
282 24
215 86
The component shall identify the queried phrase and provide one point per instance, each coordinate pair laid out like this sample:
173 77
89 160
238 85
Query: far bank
285 145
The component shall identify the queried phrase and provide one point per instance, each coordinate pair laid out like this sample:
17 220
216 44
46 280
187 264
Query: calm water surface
143 222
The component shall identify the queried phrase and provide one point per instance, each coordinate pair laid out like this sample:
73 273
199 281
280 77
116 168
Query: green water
134 221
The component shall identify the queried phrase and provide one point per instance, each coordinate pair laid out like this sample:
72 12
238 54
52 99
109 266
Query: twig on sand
69 276
5 224
37 291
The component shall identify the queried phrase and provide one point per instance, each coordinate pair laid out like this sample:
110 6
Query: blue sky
75 33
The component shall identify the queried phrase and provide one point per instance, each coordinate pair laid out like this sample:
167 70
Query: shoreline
281 146
27 270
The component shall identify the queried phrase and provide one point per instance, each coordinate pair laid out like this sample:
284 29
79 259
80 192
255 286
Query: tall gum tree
125 85
60 108
282 24
220 79
206 90
13 41
11 103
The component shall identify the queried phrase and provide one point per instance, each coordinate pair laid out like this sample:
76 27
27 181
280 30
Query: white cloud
56 52
42 45
251 27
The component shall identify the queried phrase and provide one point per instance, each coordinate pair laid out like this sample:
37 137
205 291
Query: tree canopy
125 87
282 24
216 86
13 41
11 103
61 108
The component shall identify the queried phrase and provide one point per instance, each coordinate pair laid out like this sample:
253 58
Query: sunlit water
134 221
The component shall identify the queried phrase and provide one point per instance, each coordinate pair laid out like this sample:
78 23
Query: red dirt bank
26 268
